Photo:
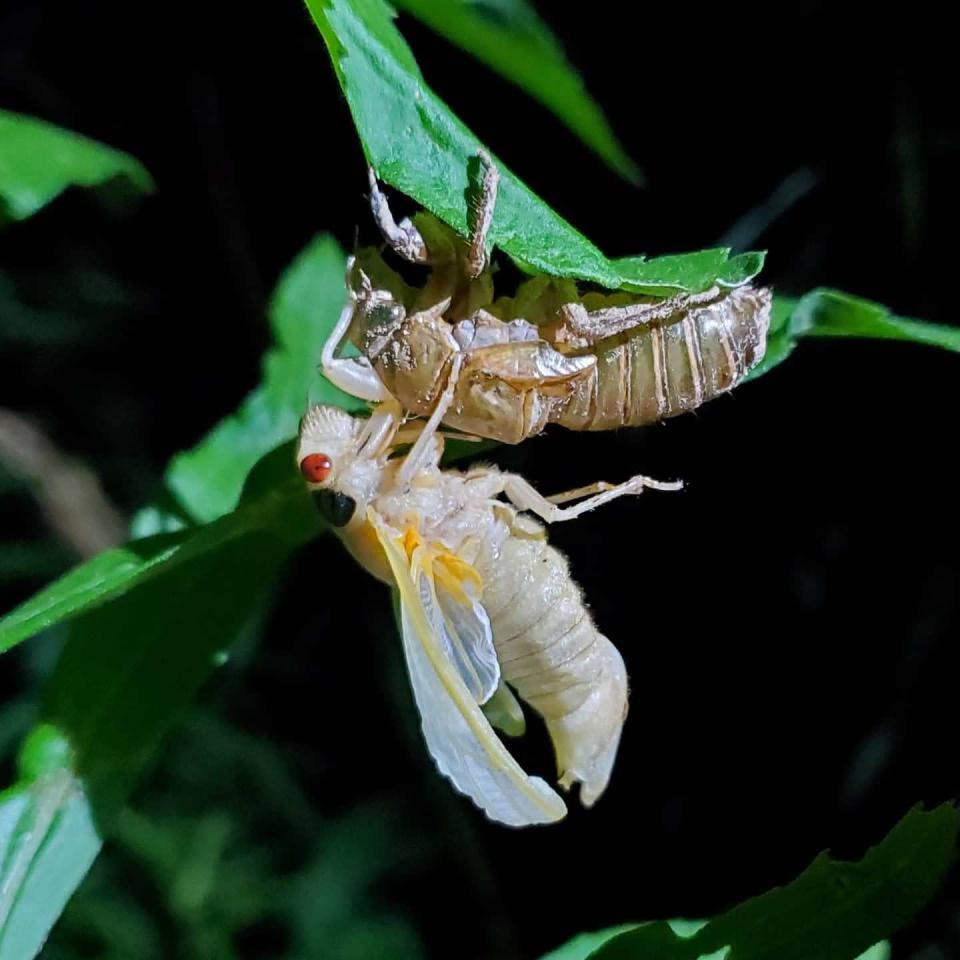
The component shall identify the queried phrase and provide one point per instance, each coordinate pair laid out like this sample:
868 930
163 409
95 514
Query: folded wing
459 737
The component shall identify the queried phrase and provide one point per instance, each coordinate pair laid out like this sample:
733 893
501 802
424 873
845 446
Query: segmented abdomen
551 653
669 367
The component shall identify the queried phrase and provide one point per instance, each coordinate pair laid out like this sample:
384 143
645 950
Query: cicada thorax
511 380
670 365
507 380
414 361
552 654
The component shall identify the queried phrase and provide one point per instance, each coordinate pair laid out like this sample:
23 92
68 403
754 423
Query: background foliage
206 905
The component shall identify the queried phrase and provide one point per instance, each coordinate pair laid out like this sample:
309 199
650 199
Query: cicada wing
528 365
459 737
464 628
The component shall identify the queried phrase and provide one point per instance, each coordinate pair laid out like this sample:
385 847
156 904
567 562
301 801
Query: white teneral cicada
486 606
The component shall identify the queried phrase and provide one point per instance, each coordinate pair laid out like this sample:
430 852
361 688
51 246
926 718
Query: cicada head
328 454
380 304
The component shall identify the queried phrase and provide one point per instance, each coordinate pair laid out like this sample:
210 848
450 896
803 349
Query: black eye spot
336 508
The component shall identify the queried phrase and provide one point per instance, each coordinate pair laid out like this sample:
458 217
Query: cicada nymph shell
504 368
665 366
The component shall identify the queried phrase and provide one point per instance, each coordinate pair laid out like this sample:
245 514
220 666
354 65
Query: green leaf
115 572
879 951
207 480
416 144
38 161
662 276
155 617
832 313
832 911
95 581
126 671
509 37
581 946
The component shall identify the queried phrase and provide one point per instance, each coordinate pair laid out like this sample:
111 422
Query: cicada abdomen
552 654
669 366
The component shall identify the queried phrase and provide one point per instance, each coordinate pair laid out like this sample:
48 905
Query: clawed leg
353 375
404 237
480 215
603 322
416 458
380 433
524 496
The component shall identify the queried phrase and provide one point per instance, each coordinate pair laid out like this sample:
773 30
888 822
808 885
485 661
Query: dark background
790 622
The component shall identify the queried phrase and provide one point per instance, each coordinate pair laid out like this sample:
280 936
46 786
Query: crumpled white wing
464 631
459 737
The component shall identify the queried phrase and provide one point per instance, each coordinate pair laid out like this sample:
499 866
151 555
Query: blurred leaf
832 313
832 911
581 946
114 572
99 579
509 37
351 855
155 618
879 951
44 822
206 481
417 144
38 161
127 670
585 945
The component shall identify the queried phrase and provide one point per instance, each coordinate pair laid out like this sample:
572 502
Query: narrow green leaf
832 313
127 670
93 582
52 835
699 271
416 144
879 951
38 161
832 911
582 945
206 481
115 572
509 37
586 944
154 619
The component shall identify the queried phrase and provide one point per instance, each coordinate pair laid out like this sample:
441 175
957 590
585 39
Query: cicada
487 607
504 368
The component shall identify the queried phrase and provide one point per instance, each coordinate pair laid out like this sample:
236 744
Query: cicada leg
404 237
382 427
353 375
481 215
420 452
524 496
575 323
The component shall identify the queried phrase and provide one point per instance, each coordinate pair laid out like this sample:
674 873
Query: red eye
316 467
